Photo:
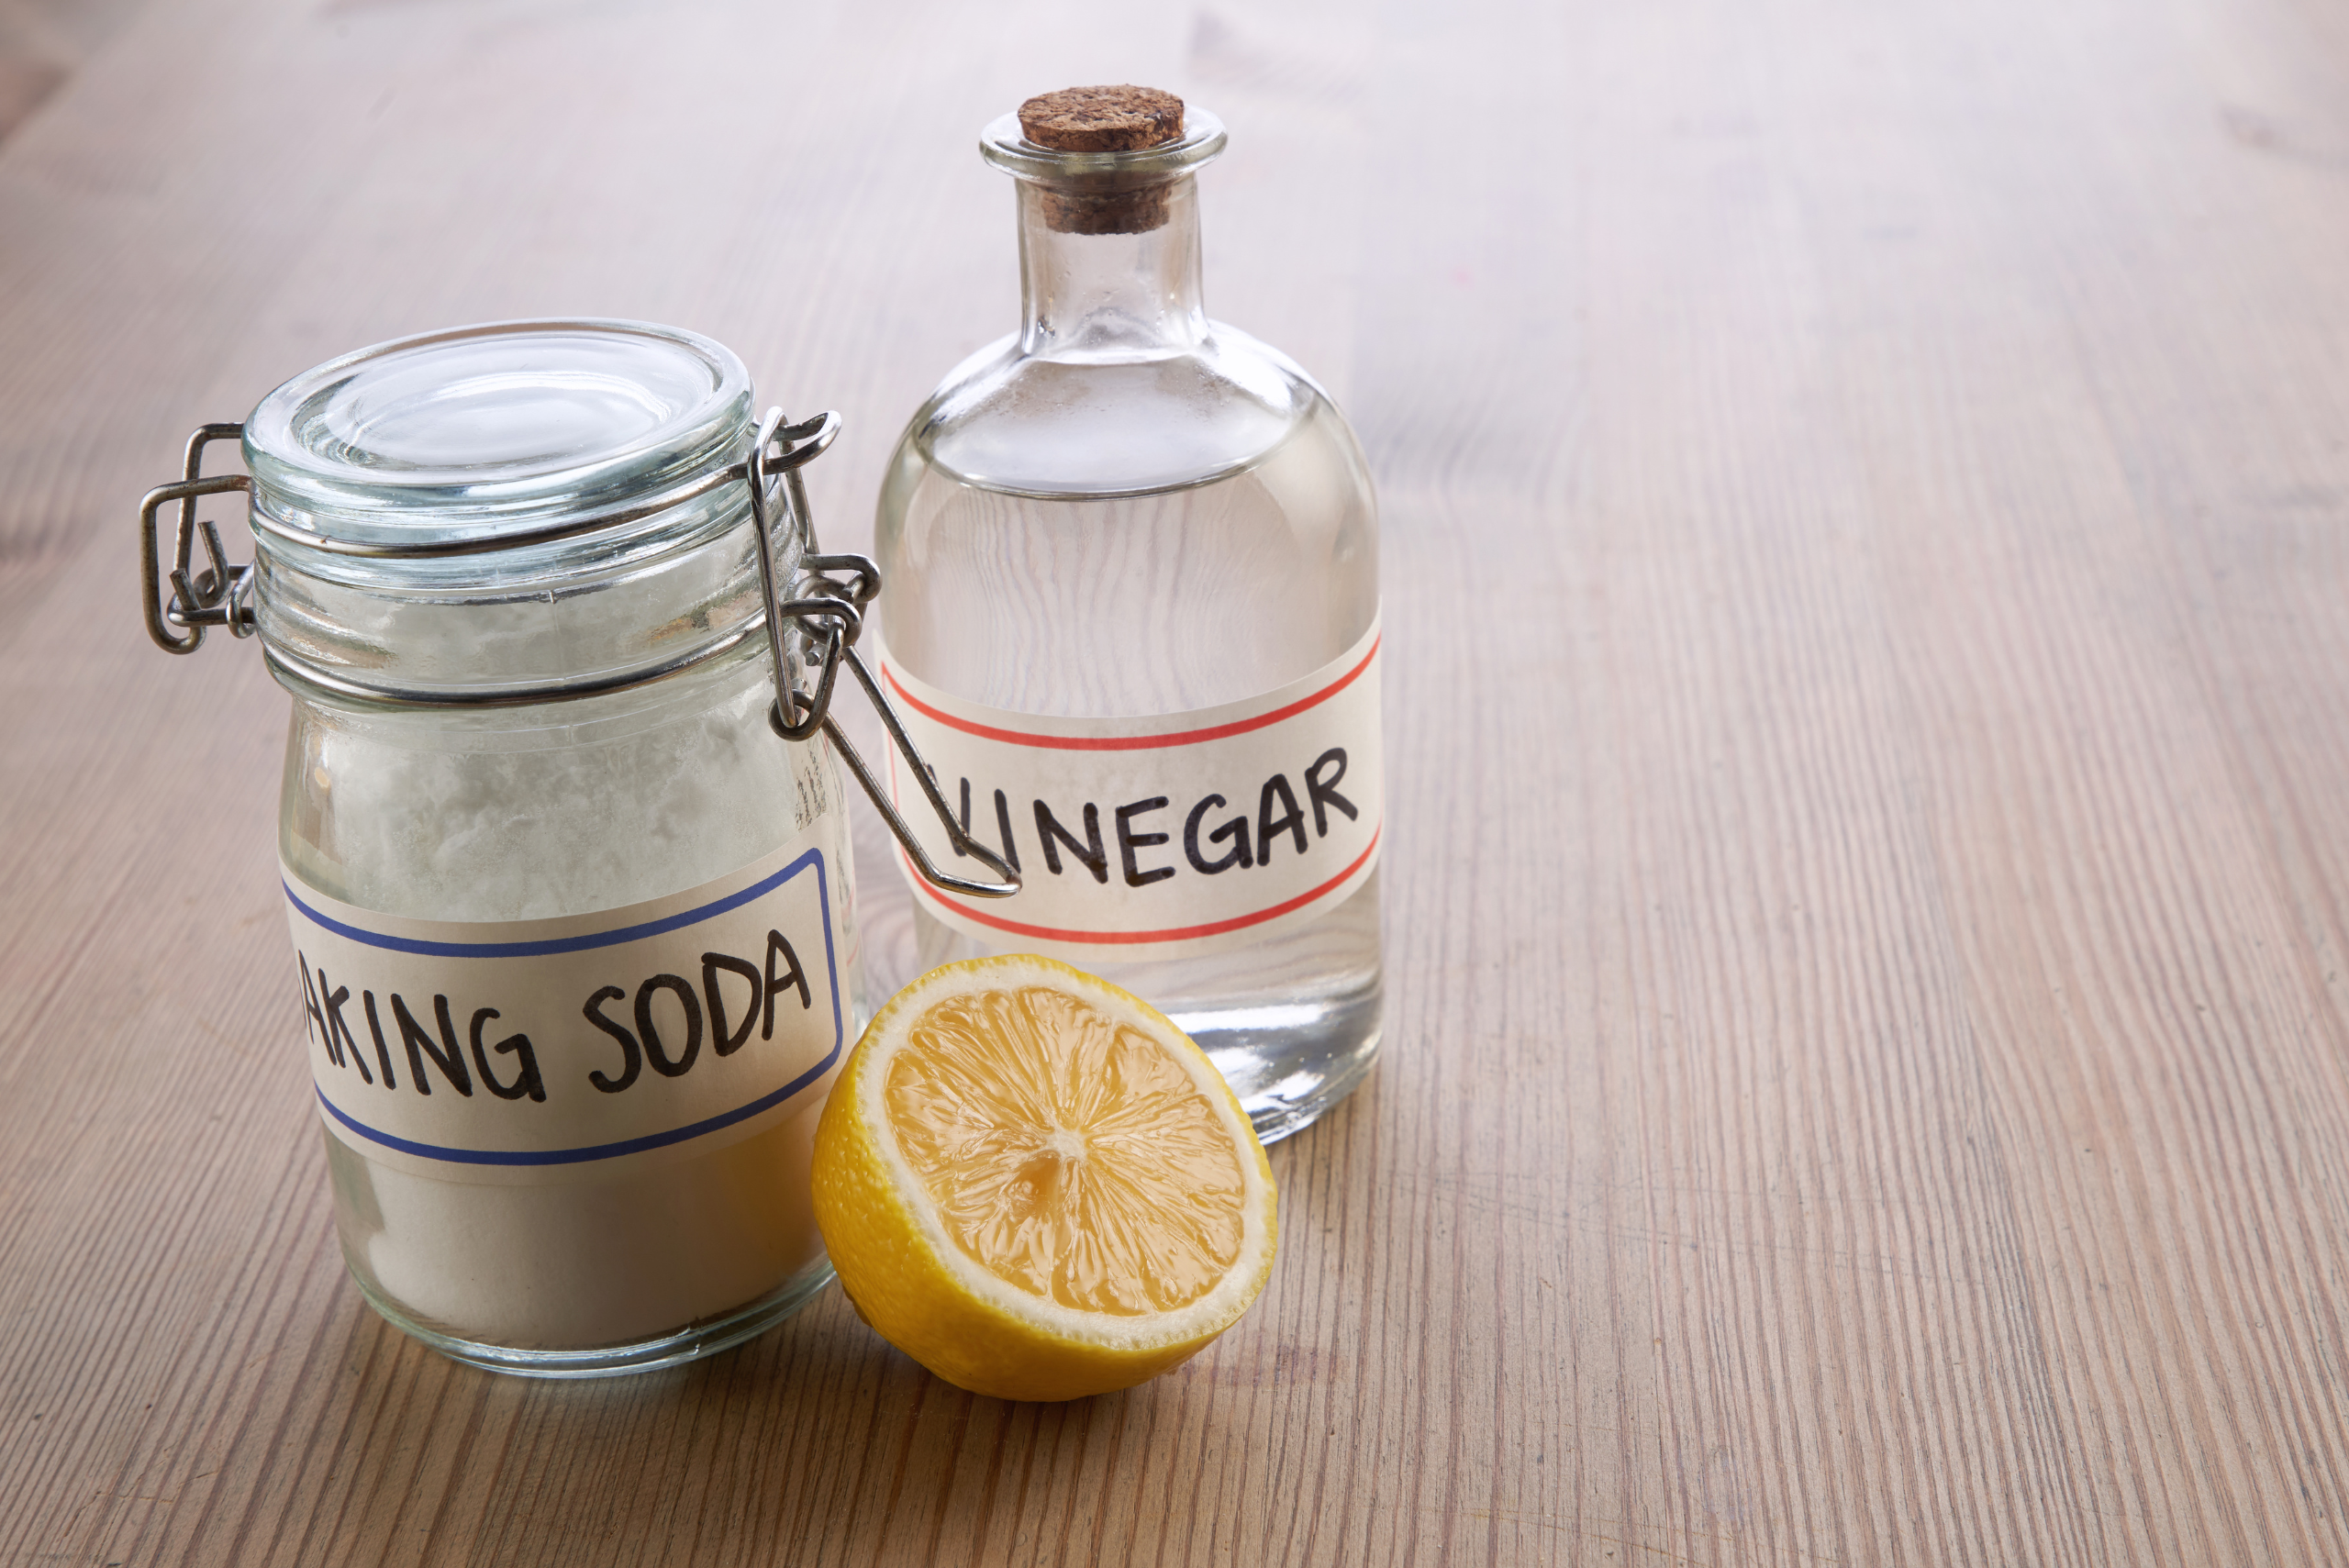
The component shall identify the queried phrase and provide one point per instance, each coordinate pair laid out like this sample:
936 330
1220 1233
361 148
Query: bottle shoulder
1121 424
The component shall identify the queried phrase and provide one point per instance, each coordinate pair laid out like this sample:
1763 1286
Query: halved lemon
1037 1186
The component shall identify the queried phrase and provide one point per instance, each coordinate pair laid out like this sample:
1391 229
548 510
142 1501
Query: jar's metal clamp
826 607
845 585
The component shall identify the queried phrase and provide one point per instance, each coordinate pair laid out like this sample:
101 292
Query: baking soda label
546 1051
1165 837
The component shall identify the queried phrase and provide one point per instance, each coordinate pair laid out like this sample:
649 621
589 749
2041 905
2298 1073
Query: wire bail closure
825 610
829 620
215 597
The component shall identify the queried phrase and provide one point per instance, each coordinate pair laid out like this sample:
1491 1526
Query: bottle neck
1110 296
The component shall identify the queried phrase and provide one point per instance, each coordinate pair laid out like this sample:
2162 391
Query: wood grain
1866 497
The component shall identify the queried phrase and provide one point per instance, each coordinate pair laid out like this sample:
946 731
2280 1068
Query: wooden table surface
1866 507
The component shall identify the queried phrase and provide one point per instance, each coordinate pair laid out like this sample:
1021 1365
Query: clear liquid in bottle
1127 512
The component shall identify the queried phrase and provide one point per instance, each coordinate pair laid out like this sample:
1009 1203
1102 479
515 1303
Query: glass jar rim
473 434
1005 144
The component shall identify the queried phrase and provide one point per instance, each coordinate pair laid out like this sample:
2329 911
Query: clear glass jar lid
507 513
486 433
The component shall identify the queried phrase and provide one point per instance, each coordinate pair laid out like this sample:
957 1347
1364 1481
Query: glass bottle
1130 538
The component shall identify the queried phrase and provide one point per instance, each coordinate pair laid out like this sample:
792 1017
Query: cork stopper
1104 120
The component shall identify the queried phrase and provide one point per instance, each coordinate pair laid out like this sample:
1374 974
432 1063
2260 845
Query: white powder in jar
565 809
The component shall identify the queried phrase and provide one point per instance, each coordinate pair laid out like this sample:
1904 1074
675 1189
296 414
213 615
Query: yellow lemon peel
1037 1186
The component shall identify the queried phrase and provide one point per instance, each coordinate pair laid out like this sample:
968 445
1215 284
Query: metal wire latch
215 597
828 612
825 610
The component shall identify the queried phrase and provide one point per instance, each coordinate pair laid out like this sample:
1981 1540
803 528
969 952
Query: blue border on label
566 944
605 939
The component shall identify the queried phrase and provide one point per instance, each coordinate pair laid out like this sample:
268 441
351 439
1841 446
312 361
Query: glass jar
1133 618
575 923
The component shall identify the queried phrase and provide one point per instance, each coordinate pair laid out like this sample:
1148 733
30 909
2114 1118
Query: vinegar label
550 1050
1171 836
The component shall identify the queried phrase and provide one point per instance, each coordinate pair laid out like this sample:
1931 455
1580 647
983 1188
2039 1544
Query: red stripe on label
1179 933
1130 742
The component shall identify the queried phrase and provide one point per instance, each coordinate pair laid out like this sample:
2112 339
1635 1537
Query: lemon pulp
1067 1154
